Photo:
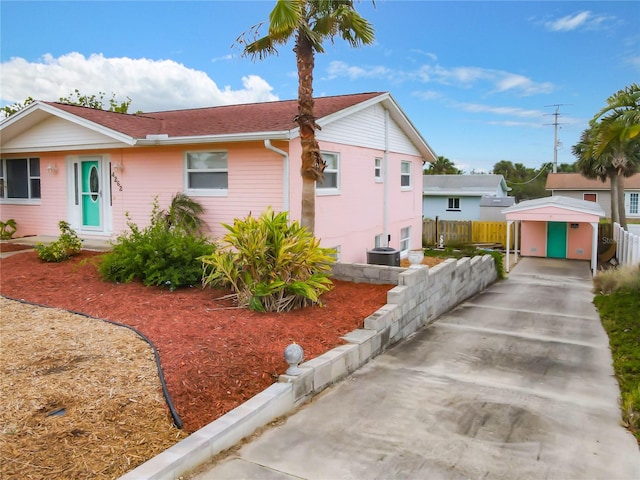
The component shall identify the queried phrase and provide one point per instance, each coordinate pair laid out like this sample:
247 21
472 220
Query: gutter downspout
285 173
385 205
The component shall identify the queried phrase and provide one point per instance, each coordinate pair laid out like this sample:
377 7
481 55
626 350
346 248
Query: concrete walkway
516 383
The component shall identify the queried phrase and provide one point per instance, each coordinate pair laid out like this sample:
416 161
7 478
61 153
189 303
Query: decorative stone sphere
293 355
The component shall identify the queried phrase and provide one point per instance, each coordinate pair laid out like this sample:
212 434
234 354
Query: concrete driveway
516 383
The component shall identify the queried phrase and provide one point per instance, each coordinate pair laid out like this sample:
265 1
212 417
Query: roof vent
158 136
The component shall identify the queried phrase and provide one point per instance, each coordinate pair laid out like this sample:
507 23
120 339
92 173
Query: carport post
509 222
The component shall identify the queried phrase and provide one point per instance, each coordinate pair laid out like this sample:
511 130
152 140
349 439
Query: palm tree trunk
620 192
312 163
615 209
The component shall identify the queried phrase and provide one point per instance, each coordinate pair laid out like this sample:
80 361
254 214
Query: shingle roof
461 184
576 181
222 120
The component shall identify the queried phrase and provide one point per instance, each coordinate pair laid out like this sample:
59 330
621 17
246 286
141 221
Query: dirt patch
214 356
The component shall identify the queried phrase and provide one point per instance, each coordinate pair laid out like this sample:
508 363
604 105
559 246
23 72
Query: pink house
556 227
93 167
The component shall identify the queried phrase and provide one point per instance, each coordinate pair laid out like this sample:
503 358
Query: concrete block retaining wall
420 296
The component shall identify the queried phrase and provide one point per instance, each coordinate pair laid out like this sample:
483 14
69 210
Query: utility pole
556 143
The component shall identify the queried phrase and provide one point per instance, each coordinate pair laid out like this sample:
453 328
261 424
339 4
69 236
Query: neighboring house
577 186
556 227
459 197
93 168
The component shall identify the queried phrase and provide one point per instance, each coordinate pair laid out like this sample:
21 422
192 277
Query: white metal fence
628 246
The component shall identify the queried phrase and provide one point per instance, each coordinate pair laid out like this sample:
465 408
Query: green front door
91 194
557 239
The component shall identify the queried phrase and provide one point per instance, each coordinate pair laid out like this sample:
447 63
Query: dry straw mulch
81 397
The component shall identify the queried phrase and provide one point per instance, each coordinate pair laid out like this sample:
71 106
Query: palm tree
604 153
623 107
310 22
442 166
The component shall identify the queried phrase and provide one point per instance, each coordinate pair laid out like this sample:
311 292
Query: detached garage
556 227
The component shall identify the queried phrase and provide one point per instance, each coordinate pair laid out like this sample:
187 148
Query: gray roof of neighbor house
577 181
463 185
245 122
567 203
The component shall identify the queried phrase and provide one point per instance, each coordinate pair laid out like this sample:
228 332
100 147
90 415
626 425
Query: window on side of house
206 173
331 182
405 239
453 204
633 203
20 179
405 175
378 169
590 197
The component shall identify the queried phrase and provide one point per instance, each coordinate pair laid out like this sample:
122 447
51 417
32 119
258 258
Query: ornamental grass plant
271 264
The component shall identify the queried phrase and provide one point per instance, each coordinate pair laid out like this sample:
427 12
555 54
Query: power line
555 123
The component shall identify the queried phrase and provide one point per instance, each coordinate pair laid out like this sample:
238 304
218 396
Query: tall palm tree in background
442 166
609 149
310 22
623 108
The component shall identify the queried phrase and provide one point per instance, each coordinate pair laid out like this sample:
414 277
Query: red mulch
13 247
214 356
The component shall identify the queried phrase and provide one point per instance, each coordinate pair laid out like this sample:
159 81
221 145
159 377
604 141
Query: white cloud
151 84
582 20
467 77
498 81
508 111
342 69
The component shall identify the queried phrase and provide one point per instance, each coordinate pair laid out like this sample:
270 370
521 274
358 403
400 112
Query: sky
480 80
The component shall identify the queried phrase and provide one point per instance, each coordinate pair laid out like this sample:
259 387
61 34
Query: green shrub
270 264
7 229
162 254
67 245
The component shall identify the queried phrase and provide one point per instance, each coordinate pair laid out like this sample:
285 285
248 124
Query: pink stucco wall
579 241
534 240
533 237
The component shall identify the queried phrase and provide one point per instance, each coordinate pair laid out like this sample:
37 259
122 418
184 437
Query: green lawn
619 314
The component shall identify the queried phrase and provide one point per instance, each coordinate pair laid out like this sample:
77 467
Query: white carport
559 211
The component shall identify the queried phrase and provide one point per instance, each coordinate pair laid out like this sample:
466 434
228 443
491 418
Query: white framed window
19 179
206 173
405 175
633 203
331 182
453 204
378 169
405 239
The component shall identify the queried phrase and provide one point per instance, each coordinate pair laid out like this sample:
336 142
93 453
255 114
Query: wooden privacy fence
455 232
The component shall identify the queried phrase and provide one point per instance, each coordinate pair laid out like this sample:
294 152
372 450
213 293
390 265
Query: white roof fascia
597 210
456 193
196 139
119 137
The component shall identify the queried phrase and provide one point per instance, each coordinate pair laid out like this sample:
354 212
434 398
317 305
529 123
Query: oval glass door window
94 183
